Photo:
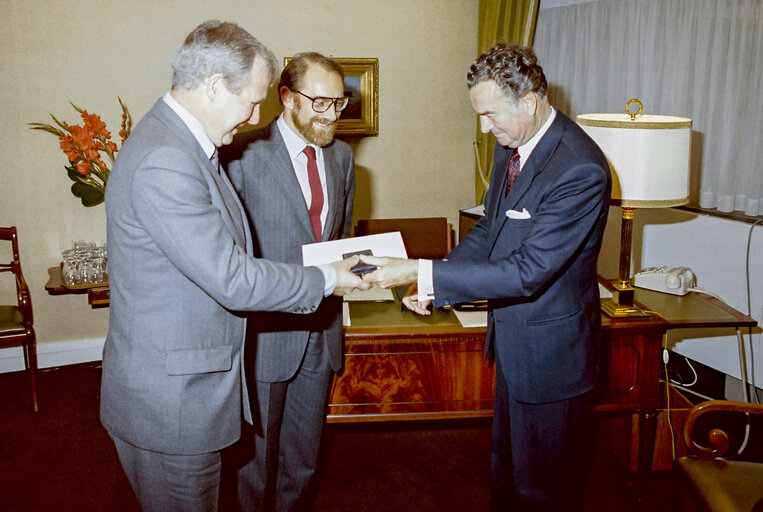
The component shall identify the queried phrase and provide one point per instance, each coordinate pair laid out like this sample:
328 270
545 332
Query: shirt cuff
329 279
425 281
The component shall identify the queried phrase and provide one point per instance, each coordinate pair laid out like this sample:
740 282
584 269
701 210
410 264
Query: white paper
346 315
472 318
477 210
382 244
373 294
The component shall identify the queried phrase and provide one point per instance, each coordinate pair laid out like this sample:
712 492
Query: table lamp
649 159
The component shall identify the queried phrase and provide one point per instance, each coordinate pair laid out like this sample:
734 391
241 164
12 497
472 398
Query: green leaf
72 172
89 195
47 128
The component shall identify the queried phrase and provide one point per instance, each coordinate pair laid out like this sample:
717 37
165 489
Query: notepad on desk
472 318
373 294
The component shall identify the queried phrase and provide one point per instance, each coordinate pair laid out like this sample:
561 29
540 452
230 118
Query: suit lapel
495 192
535 165
221 191
335 187
282 170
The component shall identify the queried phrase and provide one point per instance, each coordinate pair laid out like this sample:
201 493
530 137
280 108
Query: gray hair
224 48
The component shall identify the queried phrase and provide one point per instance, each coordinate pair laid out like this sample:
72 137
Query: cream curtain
512 21
700 59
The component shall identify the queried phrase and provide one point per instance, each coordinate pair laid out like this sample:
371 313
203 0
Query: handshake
360 271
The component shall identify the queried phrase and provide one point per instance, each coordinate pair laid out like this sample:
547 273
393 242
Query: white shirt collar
294 143
193 124
527 148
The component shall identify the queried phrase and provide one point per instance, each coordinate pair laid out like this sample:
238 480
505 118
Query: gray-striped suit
292 355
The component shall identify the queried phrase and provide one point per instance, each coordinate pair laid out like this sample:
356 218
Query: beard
317 136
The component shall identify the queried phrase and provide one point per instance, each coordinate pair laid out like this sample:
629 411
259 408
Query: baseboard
60 353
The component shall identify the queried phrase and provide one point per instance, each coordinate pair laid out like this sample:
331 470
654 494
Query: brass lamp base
621 304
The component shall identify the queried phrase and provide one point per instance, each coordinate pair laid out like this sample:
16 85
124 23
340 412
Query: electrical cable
749 310
695 393
702 290
667 393
693 371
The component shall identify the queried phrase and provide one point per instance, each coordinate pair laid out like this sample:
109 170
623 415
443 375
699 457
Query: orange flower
85 147
81 138
92 154
94 125
66 145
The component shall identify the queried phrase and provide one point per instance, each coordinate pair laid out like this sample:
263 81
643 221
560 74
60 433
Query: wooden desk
401 366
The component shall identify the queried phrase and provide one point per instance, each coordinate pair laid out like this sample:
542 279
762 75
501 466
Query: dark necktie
513 171
316 191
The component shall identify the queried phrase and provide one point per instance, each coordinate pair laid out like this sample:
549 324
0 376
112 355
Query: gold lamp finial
628 108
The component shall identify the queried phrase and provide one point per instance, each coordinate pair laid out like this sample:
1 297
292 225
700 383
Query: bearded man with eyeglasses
297 185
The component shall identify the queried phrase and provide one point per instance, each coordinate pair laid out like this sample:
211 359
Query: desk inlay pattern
421 376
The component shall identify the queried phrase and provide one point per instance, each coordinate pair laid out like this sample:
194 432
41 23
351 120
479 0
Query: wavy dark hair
514 69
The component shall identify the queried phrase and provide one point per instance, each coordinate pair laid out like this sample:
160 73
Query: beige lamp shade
648 156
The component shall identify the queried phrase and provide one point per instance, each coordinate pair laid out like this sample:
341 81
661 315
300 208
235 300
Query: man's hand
391 271
411 301
346 281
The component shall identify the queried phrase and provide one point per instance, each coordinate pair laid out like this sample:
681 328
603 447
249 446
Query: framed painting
361 85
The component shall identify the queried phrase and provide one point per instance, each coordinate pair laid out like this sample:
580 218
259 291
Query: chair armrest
712 440
23 297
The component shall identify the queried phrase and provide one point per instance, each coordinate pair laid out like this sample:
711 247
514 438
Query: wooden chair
424 237
16 320
724 469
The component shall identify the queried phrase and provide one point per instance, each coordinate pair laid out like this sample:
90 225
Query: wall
55 52
715 249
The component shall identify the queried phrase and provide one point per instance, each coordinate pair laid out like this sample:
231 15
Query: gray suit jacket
179 269
261 171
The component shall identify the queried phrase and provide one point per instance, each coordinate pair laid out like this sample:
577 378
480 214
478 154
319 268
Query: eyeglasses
321 104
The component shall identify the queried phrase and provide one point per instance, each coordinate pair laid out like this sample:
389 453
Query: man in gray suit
180 267
297 184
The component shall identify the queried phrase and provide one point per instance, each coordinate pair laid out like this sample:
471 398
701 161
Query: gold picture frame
361 83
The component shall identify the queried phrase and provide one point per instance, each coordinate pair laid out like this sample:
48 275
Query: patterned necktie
316 191
513 171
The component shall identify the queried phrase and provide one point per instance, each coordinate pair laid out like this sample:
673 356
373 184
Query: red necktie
513 171
316 191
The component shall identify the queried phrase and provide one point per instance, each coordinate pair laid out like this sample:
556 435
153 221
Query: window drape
512 21
698 58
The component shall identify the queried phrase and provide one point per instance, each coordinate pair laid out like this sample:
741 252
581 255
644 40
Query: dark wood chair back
424 237
16 320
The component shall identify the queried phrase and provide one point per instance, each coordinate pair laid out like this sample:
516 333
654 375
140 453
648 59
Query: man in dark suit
180 266
297 184
533 256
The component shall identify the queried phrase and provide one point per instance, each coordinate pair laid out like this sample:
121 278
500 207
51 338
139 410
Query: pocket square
513 214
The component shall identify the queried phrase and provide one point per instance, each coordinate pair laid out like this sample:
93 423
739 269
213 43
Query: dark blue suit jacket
539 273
